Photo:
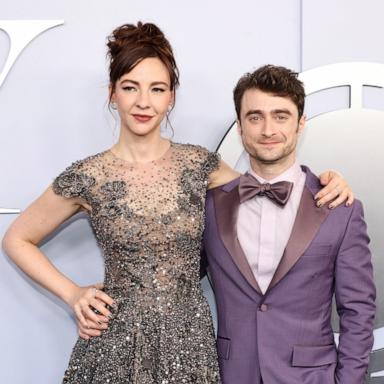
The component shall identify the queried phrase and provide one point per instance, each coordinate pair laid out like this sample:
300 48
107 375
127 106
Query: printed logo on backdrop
346 140
20 34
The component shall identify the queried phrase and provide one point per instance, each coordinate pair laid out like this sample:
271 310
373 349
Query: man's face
269 127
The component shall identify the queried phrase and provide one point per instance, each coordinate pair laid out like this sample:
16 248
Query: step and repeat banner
53 111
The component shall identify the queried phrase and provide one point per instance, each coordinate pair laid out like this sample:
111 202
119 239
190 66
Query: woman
145 197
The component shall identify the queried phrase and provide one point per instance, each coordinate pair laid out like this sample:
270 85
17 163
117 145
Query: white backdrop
53 111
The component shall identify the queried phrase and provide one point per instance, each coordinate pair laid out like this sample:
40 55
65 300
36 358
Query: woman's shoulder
197 157
192 150
79 176
88 163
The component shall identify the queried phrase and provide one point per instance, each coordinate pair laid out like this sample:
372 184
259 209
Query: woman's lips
142 118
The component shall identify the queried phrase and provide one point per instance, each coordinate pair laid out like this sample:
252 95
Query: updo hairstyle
129 44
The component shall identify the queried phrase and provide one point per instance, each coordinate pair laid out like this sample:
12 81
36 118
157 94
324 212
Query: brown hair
129 44
279 81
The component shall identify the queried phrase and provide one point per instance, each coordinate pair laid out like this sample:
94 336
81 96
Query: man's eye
281 117
255 118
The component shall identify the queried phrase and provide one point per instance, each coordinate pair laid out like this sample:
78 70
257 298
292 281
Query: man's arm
355 300
203 261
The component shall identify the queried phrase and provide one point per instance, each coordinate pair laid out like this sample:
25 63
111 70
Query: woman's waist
143 304
141 292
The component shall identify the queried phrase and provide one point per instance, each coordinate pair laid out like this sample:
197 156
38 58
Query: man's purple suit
285 335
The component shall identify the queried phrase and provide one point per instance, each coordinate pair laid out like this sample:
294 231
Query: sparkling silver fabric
148 220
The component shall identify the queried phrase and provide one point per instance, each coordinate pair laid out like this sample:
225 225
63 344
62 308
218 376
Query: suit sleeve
203 262
355 300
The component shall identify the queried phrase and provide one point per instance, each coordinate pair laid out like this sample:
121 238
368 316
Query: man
276 259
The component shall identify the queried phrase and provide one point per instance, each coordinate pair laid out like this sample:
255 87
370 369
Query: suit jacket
285 335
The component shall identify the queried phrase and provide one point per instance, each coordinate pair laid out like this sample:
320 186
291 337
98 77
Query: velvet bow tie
278 192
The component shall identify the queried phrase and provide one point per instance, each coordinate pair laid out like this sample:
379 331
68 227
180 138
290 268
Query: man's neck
270 171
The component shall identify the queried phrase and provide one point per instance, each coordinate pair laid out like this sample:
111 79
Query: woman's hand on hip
90 306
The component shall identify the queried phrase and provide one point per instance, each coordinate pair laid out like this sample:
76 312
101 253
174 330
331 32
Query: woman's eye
129 88
158 90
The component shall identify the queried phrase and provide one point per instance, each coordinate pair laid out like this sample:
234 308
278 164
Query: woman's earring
113 105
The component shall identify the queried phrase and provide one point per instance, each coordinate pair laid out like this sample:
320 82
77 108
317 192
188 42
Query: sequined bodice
148 218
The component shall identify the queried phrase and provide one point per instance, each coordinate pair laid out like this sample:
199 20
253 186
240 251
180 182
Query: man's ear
301 125
239 130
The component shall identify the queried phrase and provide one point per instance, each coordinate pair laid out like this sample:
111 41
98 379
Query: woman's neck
140 149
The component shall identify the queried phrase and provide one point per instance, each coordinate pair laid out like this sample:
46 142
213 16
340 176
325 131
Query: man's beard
277 158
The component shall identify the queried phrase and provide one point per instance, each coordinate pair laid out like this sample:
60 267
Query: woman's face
143 96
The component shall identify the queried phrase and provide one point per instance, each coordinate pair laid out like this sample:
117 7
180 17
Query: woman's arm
222 175
21 241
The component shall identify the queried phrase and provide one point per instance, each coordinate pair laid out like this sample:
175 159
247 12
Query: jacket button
263 307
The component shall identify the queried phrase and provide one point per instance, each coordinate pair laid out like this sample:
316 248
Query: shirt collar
292 174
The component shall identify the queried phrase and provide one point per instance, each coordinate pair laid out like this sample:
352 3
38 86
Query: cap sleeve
211 163
73 182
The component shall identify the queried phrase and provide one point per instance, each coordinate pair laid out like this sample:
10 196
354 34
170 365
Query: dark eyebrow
152 84
286 111
253 112
160 83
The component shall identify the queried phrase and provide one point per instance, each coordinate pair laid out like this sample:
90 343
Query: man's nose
268 127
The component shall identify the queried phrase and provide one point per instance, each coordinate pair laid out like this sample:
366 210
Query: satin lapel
308 221
226 209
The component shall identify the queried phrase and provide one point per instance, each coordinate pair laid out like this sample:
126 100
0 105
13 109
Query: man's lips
269 142
142 118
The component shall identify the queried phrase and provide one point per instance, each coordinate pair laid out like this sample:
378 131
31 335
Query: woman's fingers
99 286
350 199
93 331
83 335
100 295
90 314
80 317
100 307
92 308
335 197
336 191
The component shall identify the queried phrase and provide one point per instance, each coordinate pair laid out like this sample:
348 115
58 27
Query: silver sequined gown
148 221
